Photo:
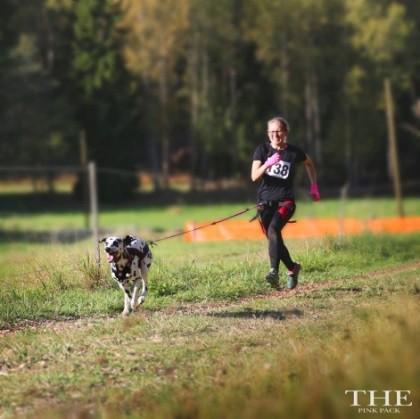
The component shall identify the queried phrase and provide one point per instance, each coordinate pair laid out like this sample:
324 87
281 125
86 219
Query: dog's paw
125 313
141 299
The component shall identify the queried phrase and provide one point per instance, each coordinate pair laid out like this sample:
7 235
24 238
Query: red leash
153 242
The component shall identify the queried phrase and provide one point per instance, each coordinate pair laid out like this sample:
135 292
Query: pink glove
315 192
275 158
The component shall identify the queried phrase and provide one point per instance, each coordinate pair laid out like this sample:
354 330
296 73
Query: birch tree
155 39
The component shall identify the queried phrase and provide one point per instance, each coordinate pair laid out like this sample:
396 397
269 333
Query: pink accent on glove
275 158
315 192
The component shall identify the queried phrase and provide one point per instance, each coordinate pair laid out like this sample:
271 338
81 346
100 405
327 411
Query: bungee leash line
154 242
181 233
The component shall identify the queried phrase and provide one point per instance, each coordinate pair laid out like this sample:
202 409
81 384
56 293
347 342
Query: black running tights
272 223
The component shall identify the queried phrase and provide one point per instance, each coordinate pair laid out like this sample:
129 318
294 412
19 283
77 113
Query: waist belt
276 204
272 204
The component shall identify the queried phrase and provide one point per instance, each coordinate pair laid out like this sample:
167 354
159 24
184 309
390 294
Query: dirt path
205 308
199 308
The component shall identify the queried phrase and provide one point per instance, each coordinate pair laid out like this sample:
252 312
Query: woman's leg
266 222
276 248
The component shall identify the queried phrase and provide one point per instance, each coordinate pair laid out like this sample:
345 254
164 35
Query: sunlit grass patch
48 281
230 366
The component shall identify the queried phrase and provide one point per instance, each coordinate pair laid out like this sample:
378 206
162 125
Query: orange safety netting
304 228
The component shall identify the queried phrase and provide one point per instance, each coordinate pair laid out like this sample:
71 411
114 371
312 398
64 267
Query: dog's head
114 248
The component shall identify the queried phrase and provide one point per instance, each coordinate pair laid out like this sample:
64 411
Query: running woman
274 164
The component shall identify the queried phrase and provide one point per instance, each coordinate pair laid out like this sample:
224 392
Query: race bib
280 170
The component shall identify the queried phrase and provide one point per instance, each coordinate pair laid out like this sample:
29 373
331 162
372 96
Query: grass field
154 220
212 340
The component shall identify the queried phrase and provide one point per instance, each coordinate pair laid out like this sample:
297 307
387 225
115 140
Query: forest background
186 86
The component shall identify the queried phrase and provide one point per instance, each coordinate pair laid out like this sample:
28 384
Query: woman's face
277 135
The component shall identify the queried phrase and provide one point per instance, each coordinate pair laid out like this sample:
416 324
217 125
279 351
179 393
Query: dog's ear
103 240
127 240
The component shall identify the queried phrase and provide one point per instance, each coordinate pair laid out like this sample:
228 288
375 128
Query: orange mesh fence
304 228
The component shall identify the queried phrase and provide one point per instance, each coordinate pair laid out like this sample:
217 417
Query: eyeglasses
276 132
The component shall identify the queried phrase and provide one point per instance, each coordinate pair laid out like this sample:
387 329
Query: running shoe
292 276
273 278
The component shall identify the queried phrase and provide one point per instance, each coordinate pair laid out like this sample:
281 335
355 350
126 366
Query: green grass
49 282
154 220
267 358
211 340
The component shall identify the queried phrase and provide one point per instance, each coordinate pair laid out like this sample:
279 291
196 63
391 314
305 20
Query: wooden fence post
93 198
84 183
393 150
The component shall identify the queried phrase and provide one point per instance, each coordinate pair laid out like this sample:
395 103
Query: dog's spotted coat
130 259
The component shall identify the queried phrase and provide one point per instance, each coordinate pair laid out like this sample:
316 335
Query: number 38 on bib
280 170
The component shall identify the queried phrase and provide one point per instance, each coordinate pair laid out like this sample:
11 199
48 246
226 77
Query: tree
89 66
380 32
36 120
293 42
211 80
155 38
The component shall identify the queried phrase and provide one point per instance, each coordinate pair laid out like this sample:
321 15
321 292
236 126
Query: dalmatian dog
130 259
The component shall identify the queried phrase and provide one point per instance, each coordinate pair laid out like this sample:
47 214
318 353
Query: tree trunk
231 116
47 37
308 116
205 108
163 97
317 121
348 148
194 109
313 118
284 65
393 149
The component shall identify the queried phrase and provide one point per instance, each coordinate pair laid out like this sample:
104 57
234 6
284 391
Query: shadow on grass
259 314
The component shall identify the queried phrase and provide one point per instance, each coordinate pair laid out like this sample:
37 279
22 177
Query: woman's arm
257 170
310 169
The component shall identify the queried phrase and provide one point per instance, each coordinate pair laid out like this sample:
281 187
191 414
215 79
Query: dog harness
131 253
123 273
